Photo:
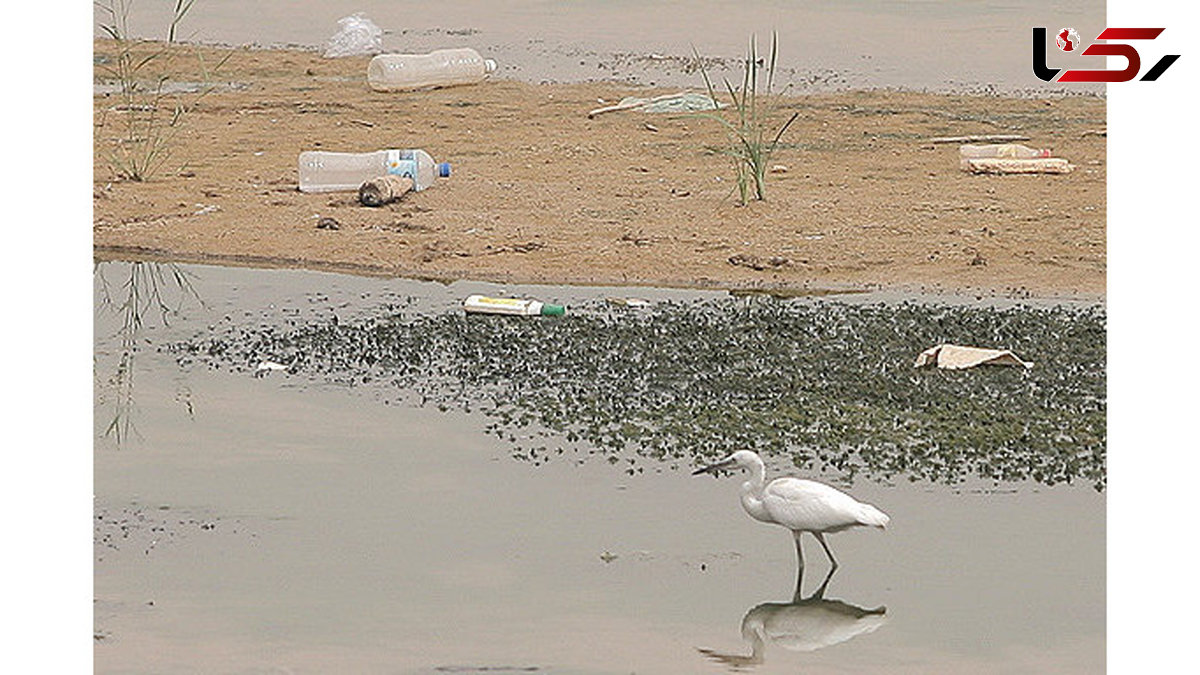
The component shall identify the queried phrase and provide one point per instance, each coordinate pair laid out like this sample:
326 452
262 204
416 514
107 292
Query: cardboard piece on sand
1008 165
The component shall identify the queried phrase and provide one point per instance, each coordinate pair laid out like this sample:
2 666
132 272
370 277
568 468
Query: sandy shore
540 193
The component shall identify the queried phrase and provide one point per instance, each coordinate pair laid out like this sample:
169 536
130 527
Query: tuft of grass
750 132
147 118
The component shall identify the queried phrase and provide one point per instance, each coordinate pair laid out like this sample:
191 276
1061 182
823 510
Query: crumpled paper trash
359 36
958 357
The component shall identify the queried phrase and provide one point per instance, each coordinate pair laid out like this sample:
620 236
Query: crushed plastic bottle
441 68
346 171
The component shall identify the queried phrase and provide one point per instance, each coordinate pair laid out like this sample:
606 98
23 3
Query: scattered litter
327 223
608 557
267 367
986 138
323 171
439 68
527 247
668 103
1000 165
1010 158
1002 151
485 305
957 357
384 190
358 36
651 127
778 168
628 302
758 263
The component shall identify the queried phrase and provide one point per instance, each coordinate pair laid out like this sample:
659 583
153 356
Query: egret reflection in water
802 625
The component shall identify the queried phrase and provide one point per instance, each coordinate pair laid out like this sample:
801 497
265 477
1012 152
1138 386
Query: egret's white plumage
797 504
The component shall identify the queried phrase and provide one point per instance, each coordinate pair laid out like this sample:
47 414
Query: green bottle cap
553 310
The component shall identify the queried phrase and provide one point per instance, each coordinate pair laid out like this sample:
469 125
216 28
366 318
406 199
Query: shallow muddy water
920 44
305 522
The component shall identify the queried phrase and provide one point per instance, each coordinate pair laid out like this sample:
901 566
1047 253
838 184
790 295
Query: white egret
797 504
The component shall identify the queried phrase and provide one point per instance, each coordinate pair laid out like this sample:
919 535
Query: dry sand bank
540 193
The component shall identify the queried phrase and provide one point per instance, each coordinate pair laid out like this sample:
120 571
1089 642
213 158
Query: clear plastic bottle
346 171
442 68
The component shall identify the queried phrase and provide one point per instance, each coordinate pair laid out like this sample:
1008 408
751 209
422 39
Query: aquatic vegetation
826 385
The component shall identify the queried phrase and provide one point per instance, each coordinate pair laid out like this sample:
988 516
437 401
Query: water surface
294 523
917 44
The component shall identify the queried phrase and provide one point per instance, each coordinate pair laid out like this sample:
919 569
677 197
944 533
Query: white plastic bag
358 36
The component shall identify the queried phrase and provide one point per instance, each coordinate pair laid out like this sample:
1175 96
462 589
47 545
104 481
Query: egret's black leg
820 592
821 538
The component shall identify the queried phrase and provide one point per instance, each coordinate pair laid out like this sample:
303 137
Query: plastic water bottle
442 68
485 305
346 171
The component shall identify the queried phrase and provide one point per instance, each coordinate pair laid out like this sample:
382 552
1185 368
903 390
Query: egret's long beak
714 468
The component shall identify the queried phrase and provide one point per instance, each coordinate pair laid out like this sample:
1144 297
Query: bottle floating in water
442 68
346 171
485 305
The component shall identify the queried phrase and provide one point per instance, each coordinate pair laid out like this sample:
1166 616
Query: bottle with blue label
346 171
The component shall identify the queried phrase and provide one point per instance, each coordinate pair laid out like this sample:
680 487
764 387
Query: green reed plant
754 109
147 118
